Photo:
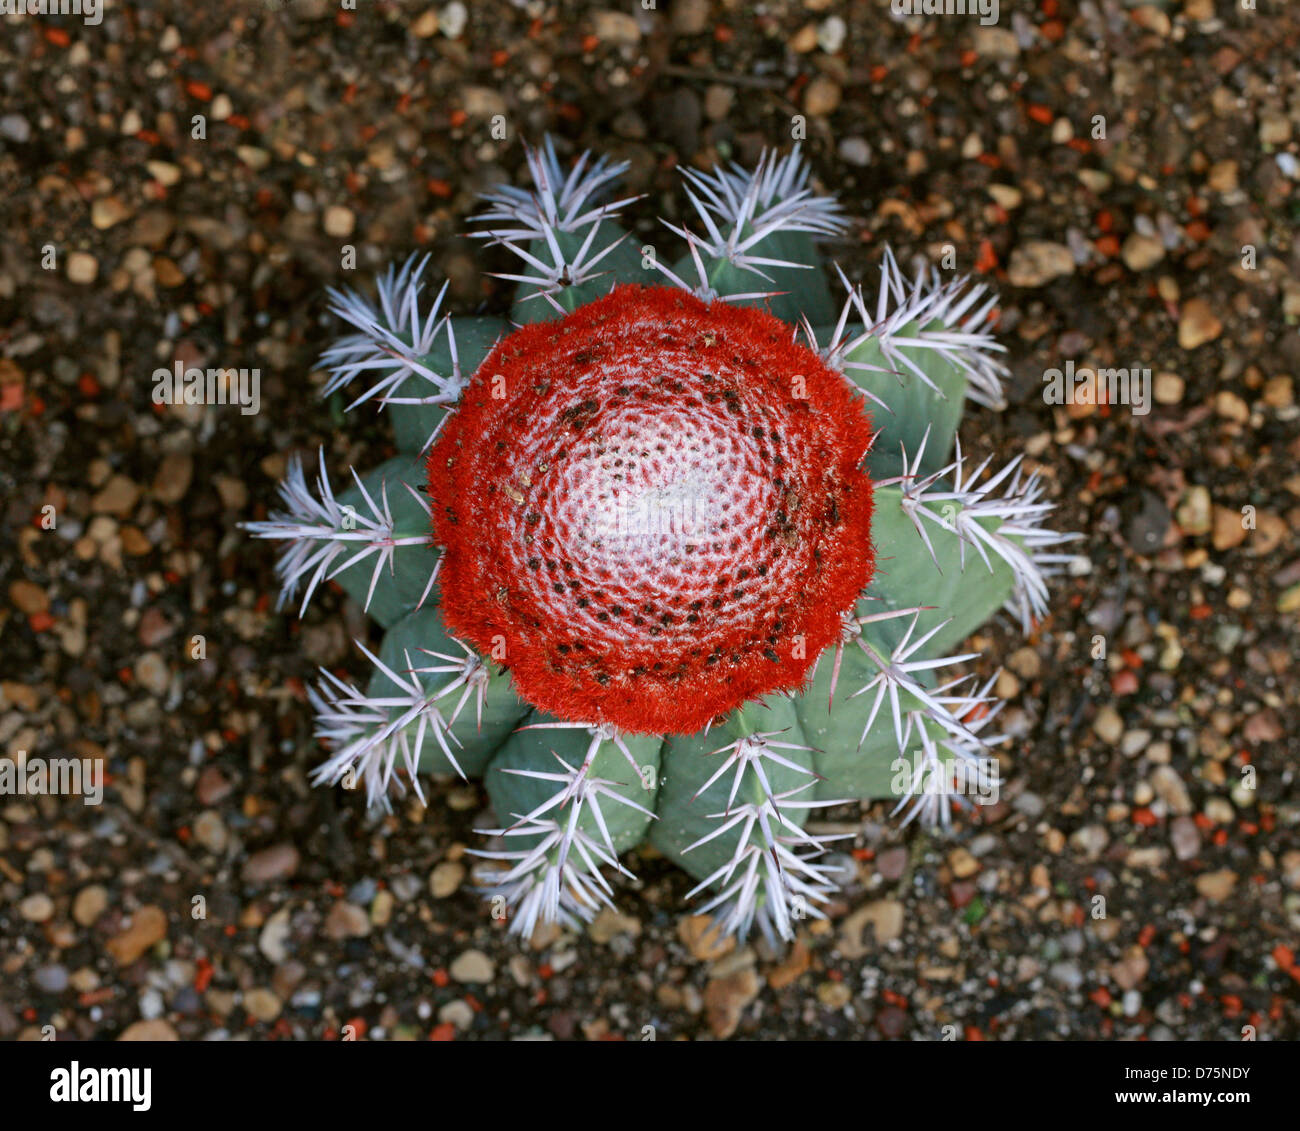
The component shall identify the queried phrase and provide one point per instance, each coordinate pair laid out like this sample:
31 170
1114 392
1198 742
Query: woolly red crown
652 509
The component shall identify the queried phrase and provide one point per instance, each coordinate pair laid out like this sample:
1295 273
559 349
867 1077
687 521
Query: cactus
645 563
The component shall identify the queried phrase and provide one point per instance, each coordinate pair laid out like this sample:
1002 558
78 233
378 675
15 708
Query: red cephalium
652 509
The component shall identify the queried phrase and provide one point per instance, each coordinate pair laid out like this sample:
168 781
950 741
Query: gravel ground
323 127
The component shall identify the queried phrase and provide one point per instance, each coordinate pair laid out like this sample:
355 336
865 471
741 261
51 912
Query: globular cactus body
642 566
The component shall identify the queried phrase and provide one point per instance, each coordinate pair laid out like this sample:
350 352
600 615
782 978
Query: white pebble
855 151
452 20
830 34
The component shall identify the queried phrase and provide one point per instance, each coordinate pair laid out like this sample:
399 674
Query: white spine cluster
564 270
740 208
929 796
556 206
557 877
947 721
556 203
393 341
1016 534
373 736
323 538
948 319
771 878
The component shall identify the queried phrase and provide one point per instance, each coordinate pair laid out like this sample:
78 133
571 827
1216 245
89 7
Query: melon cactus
676 553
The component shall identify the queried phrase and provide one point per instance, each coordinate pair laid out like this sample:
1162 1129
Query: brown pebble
28 597
173 477
347 921
884 916
1026 663
117 497
154 628
167 273
233 492
795 964
38 908
278 862
151 1029
262 1004
90 904
690 17
609 923
1229 528
821 96
1217 886
445 879
83 268
1036 262
212 786
725 1000
134 542
701 935
152 672
1197 324
962 863
109 210
1141 253
472 966
148 927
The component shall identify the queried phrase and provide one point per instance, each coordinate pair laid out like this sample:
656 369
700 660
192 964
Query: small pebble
262 1004
446 878
610 26
51 979
278 862
151 1029
210 831
148 927
339 221
1169 388
38 908
347 921
855 151
14 127
1216 886
821 96
152 672
830 34
91 902
273 940
1185 838
690 17
1037 262
458 1013
1108 726
472 966
1198 324
452 19
83 268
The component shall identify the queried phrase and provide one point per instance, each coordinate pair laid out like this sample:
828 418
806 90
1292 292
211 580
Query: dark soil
325 127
